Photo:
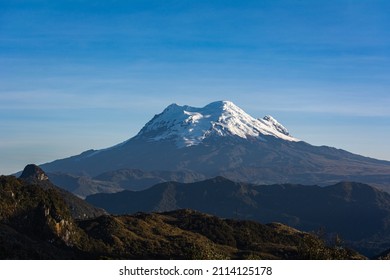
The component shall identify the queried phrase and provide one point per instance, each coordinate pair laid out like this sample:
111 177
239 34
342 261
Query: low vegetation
36 223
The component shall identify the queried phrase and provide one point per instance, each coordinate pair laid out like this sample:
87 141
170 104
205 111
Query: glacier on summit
189 126
186 144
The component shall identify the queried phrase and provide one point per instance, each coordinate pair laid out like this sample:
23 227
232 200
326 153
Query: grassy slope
36 223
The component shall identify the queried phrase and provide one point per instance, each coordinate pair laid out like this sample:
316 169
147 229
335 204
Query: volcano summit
221 139
189 126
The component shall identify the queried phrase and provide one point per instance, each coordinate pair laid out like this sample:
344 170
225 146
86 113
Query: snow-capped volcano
186 144
189 126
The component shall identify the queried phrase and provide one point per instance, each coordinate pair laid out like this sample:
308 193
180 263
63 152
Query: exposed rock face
33 172
34 175
40 212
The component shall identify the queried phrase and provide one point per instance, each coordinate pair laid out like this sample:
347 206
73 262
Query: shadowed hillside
357 212
36 223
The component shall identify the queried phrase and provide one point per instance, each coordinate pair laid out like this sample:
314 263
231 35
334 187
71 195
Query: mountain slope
358 212
36 223
119 180
221 139
79 209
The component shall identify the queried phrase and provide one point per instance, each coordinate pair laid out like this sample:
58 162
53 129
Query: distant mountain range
357 212
38 222
189 144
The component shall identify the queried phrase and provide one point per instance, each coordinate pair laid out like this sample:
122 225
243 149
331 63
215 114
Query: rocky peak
34 172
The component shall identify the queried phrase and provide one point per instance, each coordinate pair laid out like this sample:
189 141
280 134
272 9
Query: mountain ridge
219 147
36 223
359 213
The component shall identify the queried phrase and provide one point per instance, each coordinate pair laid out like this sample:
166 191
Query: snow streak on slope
190 126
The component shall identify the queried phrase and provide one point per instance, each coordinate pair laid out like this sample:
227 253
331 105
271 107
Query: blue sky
76 75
